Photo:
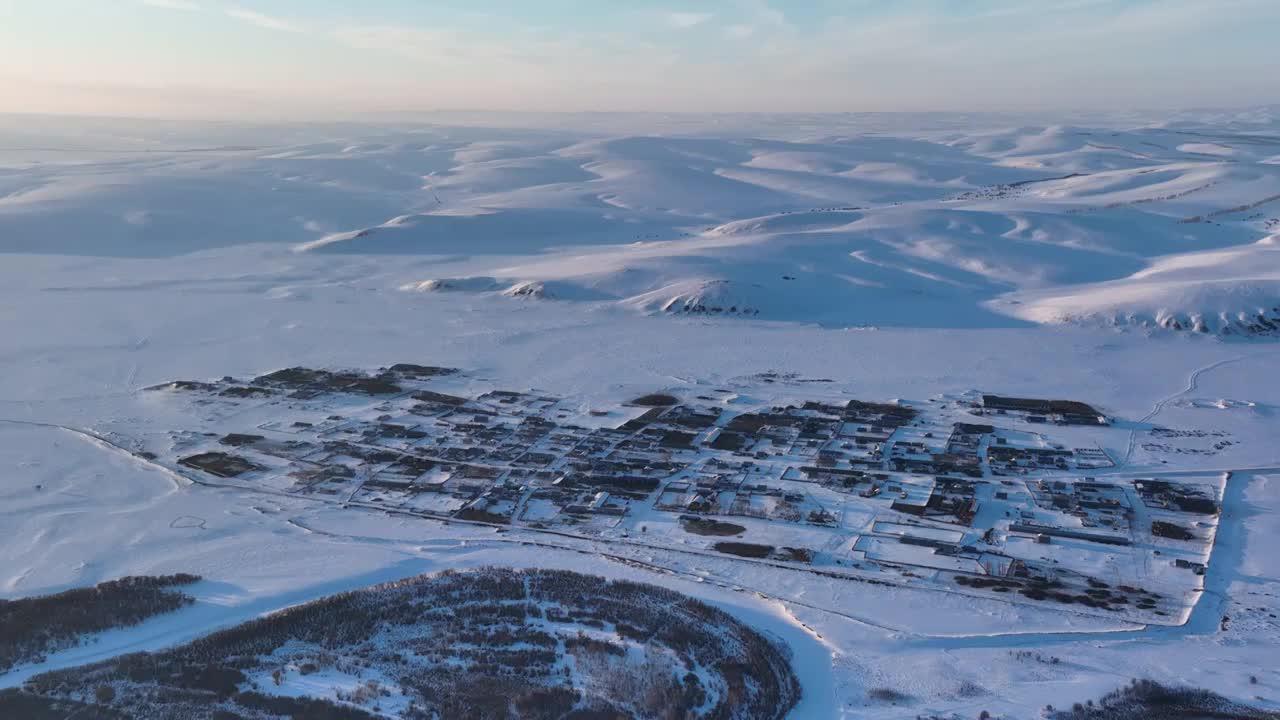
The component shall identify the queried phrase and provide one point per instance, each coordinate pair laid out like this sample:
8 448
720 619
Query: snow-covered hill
1220 291
1000 223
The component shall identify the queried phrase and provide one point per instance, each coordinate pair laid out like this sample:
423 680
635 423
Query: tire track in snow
1193 382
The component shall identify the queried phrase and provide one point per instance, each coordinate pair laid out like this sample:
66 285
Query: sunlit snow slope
1158 224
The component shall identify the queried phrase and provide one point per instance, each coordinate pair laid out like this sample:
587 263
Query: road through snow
1193 382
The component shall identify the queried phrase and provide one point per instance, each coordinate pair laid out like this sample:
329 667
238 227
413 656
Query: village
978 493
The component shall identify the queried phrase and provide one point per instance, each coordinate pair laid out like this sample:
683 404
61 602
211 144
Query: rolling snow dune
907 266
1224 291
858 223
484 231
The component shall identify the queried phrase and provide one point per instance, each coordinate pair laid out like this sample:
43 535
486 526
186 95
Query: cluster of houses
1093 504
398 439
507 455
1179 497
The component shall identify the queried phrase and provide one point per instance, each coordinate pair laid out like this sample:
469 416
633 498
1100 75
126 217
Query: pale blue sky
342 58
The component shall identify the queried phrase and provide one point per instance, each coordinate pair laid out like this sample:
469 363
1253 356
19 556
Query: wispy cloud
757 19
687 19
735 54
442 47
263 21
172 4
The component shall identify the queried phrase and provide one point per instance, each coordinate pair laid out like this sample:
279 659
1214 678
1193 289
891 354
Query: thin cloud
171 4
753 55
758 19
264 21
434 46
687 19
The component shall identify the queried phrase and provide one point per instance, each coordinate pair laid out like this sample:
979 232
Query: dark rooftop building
1033 405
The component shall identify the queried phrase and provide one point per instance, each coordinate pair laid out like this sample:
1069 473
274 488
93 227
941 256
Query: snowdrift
1233 291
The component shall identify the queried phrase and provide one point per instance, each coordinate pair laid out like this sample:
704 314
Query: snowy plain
1124 261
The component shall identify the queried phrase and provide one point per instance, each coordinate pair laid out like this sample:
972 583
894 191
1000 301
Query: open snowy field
1130 263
